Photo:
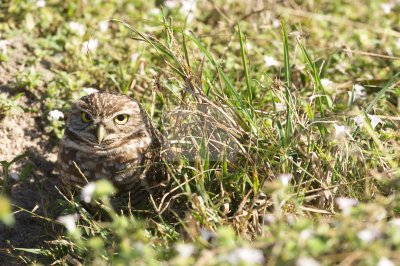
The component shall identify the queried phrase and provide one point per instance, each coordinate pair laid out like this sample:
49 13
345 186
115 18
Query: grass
274 168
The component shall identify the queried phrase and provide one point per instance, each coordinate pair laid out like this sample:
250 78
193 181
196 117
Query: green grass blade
245 67
288 78
381 93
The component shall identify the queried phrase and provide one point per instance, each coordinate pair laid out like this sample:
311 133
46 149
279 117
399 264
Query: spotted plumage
108 136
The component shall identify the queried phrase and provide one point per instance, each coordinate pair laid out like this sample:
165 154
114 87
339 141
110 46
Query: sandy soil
24 132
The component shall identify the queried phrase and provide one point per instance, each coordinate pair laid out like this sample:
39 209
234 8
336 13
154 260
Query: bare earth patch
34 198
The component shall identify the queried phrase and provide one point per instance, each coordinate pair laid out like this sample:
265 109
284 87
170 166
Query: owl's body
108 136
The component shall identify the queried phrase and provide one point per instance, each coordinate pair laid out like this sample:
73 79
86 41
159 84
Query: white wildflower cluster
269 61
90 46
69 221
243 255
55 115
89 91
77 28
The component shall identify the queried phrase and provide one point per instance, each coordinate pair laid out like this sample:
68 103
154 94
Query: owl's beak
101 133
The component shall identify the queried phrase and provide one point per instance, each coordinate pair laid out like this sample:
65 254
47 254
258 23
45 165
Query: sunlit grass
282 162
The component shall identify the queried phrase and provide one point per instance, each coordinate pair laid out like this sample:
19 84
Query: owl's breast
123 166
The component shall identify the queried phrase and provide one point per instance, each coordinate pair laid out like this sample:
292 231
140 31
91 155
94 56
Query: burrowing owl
109 136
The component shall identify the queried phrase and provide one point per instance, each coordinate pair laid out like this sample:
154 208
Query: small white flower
14 176
206 234
398 43
55 115
103 25
3 46
154 11
359 92
184 250
69 221
375 120
280 107
340 132
87 192
76 27
368 235
190 16
290 218
188 6
276 23
387 7
134 57
171 4
385 262
285 179
139 246
269 61
249 46
359 120
298 35
380 214
41 3
395 222
306 234
307 261
345 204
90 45
243 255
326 83
89 91
269 218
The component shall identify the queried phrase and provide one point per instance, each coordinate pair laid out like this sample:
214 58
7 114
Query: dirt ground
34 198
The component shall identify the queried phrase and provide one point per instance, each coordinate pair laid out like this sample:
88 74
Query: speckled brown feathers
108 136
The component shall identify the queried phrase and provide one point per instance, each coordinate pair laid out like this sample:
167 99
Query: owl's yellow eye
121 119
86 118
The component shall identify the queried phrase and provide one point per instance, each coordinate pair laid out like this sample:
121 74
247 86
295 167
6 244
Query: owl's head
102 119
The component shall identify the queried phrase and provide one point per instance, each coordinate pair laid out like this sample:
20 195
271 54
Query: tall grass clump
248 177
